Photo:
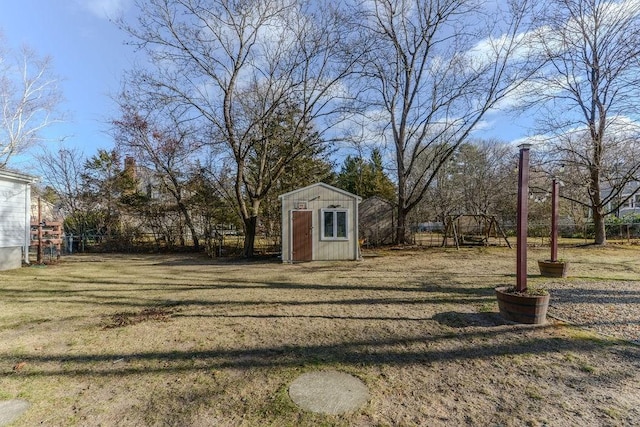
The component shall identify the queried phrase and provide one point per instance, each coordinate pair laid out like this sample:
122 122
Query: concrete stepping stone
329 392
10 410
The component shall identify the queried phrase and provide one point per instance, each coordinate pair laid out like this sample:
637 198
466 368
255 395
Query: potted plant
553 267
523 306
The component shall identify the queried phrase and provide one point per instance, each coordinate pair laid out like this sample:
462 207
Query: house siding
12 211
10 258
632 206
15 206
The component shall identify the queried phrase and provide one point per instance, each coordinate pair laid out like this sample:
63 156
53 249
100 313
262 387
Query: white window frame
334 235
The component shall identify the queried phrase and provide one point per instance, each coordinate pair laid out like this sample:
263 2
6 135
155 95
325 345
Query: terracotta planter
531 309
553 268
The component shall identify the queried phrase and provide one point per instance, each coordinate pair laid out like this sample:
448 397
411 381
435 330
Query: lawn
188 341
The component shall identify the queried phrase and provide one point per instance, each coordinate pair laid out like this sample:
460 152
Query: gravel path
609 307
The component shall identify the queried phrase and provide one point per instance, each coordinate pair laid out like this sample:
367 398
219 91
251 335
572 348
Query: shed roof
17 176
325 186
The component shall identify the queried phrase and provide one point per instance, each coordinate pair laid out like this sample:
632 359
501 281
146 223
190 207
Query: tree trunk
401 235
249 236
401 229
596 199
189 223
599 225
181 236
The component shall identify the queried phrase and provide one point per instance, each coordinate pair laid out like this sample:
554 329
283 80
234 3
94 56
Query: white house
628 200
631 195
319 223
15 215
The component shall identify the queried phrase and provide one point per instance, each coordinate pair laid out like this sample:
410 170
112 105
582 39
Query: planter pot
553 268
531 309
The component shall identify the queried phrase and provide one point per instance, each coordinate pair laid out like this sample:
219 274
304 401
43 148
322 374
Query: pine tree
366 178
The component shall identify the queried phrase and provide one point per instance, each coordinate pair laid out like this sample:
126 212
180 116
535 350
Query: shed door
302 237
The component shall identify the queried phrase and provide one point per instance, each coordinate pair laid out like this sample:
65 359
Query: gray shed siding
315 198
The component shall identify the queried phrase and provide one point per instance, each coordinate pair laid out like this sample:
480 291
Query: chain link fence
230 243
538 233
221 244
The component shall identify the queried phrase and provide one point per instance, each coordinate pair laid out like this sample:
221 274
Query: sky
90 55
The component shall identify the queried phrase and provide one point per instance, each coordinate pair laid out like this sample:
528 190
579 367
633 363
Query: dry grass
180 340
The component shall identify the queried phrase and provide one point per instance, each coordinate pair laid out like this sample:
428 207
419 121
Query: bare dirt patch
219 343
158 314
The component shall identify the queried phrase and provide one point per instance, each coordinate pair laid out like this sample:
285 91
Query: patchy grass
184 340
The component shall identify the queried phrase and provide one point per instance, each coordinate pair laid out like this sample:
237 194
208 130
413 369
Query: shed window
334 224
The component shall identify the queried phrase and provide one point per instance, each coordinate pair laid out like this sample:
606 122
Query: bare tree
435 68
479 178
487 178
167 148
29 98
62 170
592 87
233 67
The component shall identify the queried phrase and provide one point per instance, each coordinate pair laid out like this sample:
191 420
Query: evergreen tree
382 185
105 183
366 178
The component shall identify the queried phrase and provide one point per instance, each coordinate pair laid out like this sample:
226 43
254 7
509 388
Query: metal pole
523 214
554 220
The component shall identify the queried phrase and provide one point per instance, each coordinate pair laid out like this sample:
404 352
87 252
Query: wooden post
554 220
40 249
523 214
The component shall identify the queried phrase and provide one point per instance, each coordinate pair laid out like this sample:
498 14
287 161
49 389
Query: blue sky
88 53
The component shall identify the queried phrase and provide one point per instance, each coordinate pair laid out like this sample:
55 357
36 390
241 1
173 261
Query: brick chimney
130 167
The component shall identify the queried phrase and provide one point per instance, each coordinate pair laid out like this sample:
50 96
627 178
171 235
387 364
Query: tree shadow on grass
455 319
178 294
397 351
597 278
595 296
220 261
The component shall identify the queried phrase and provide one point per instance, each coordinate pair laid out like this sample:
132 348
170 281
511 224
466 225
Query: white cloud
620 128
534 140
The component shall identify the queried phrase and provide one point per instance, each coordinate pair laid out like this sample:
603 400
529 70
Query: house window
334 224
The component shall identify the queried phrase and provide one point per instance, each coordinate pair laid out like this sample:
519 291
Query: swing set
473 230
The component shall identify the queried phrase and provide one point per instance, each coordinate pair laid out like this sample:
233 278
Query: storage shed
15 216
319 223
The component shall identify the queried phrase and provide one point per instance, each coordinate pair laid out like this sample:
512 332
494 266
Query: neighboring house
319 223
15 216
147 182
377 221
630 206
48 211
